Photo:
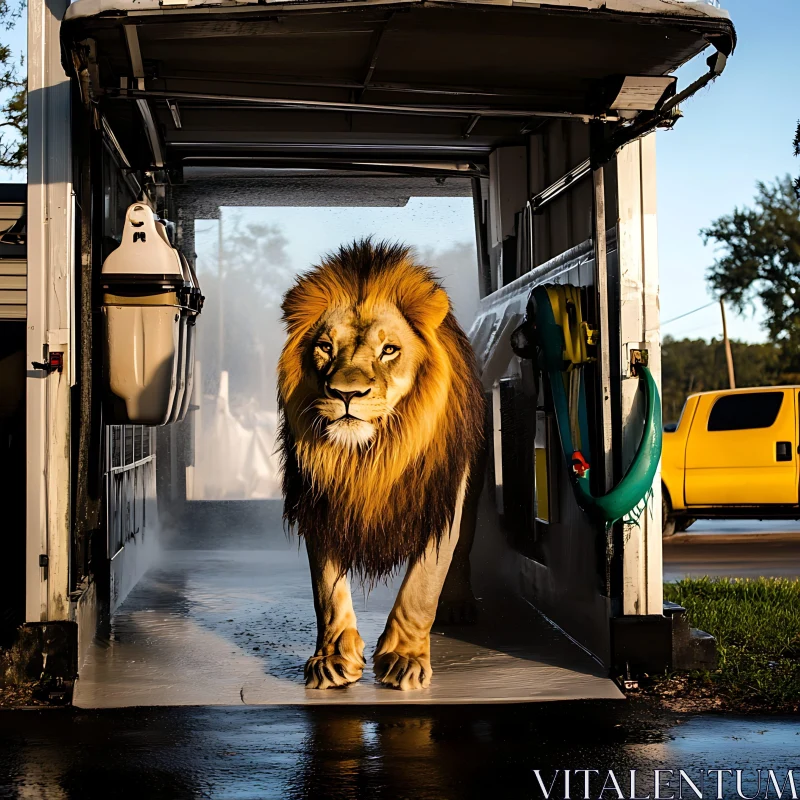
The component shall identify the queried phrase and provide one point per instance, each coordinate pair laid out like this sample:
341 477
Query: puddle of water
425 754
223 627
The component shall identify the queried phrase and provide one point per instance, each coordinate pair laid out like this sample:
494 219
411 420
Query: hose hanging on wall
557 331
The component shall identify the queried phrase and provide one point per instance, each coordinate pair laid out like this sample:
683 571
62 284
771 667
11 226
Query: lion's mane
373 508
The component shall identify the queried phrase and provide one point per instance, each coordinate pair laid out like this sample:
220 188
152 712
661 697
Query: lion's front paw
337 664
402 671
326 672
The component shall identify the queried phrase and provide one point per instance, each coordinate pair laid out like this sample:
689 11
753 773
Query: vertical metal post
197 432
49 317
497 434
481 239
637 253
220 297
601 286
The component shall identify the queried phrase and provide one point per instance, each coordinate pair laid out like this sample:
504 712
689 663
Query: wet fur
374 507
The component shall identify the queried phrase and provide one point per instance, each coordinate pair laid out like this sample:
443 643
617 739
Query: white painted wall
49 315
637 243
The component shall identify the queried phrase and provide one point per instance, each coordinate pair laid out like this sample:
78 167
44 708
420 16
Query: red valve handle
579 463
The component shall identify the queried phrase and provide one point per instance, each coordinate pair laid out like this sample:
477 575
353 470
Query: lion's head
364 364
381 406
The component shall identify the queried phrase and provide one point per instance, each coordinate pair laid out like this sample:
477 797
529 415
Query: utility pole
728 355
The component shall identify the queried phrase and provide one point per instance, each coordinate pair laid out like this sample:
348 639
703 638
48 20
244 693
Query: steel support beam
604 320
148 120
372 61
637 248
557 188
285 103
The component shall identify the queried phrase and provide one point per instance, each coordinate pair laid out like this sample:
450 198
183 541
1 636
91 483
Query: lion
381 425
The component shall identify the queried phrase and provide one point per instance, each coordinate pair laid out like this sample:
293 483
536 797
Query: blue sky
733 133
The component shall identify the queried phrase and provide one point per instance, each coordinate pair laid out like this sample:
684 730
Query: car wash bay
173 597
227 618
215 607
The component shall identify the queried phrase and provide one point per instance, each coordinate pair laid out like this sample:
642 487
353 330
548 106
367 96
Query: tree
13 99
256 271
797 153
759 258
694 365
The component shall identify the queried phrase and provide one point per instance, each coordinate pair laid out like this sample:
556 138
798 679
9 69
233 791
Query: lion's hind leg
339 656
457 603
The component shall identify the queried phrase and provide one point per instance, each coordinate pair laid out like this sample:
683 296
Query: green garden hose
633 490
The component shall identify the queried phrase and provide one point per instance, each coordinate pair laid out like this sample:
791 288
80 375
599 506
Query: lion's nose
346 397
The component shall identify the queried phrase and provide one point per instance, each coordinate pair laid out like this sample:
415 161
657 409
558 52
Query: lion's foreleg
339 657
403 655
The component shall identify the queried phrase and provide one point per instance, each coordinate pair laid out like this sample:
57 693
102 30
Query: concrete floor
228 626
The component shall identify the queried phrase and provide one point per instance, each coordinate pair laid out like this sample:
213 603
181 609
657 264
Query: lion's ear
438 306
304 304
430 309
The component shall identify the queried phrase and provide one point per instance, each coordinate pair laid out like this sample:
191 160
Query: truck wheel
667 520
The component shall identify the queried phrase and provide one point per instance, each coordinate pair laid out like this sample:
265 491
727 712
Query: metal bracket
54 363
592 335
635 353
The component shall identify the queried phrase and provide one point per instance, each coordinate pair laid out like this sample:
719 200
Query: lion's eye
390 350
326 347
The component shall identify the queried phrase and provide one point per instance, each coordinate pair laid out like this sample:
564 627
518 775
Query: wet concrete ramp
232 626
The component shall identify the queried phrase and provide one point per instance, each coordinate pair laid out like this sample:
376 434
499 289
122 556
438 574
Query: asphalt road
435 753
734 548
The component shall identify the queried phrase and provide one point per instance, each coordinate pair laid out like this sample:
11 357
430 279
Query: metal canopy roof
205 189
318 84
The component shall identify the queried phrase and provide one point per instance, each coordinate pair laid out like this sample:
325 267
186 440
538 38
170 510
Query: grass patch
757 627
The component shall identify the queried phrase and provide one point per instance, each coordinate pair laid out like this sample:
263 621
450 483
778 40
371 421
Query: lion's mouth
348 417
350 431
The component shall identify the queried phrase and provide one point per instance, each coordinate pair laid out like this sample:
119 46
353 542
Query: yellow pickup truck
733 453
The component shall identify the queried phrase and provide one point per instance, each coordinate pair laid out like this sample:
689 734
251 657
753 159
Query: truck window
739 412
671 427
